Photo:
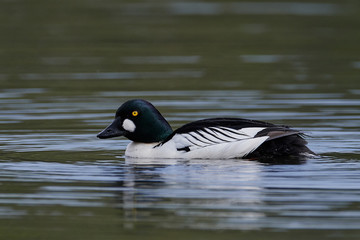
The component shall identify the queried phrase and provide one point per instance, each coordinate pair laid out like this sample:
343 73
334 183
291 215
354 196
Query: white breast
150 150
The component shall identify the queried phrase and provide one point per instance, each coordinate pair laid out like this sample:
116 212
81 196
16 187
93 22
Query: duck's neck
161 130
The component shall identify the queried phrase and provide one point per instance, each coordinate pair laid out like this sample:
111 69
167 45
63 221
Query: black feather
235 123
291 145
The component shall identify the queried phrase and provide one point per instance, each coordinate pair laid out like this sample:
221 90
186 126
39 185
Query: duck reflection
192 193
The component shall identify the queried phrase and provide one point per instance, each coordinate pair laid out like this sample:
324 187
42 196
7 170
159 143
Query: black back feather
235 123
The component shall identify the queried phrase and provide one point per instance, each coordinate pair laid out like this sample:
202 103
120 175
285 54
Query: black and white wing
225 137
210 136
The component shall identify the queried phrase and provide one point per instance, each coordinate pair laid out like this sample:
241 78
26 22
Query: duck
152 137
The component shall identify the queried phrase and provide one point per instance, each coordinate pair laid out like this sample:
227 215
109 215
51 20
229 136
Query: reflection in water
239 194
201 193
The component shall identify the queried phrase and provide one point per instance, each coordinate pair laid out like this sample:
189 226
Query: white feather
204 137
236 149
211 136
251 131
233 133
221 134
129 125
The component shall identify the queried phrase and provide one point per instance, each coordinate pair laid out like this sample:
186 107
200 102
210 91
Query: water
64 70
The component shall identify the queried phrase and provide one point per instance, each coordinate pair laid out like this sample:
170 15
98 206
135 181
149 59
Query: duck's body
215 138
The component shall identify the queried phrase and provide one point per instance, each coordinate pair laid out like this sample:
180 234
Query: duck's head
139 121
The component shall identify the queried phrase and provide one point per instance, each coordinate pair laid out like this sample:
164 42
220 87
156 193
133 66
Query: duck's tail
286 146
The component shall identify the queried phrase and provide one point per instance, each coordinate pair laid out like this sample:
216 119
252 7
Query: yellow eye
135 113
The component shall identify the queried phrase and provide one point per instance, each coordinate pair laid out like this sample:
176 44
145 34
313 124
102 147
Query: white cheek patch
129 125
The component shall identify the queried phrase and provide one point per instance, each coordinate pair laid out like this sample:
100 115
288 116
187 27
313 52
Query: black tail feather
287 146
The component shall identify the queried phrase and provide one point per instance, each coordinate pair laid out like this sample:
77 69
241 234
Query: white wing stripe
235 133
195 141
204 137
213 136
232 134
221 134
245 132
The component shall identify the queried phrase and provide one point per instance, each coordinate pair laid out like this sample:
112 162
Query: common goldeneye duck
214 138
